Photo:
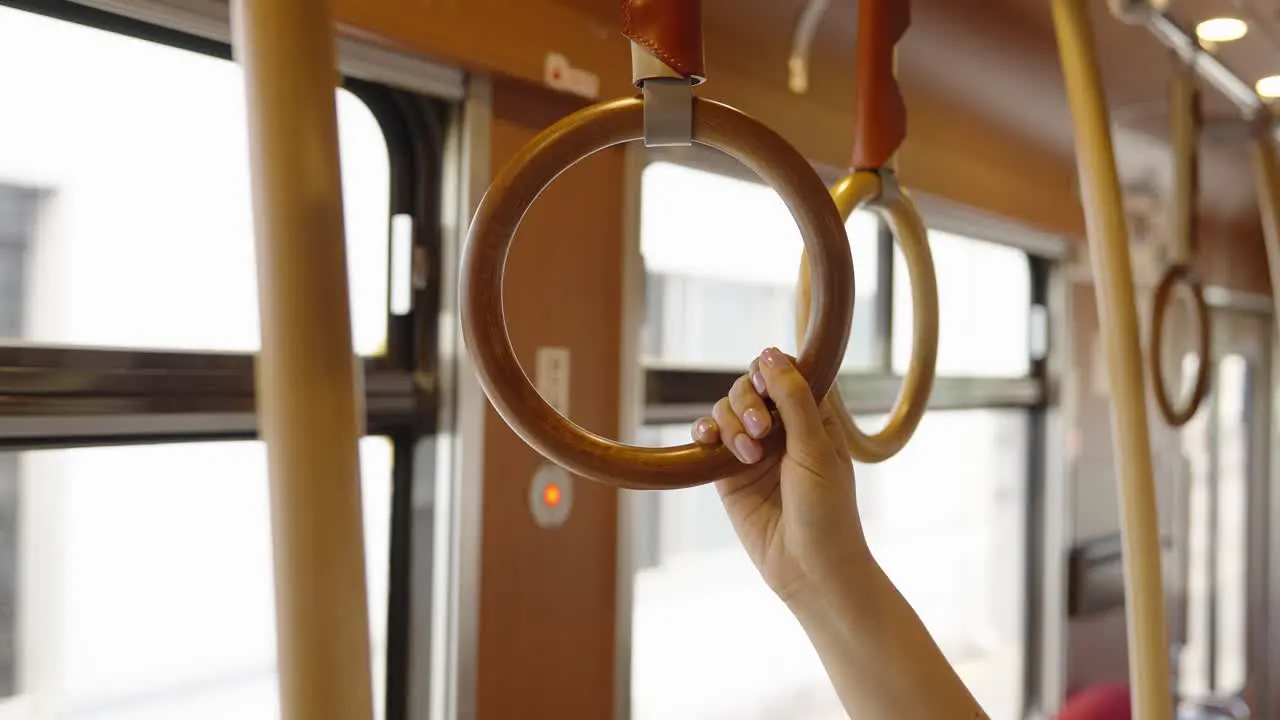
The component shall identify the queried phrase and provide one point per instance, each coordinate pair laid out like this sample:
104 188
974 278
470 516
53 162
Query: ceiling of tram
998 59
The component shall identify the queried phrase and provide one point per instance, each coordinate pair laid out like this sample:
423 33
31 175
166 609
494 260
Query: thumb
836 420
790 392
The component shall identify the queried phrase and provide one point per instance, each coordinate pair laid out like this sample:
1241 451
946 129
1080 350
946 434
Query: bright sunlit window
709 640
140 151
136 581
984 308
1214 660
155 591
721 273
946 519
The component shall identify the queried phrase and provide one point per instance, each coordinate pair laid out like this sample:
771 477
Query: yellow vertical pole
1267 175
306 371
1118 318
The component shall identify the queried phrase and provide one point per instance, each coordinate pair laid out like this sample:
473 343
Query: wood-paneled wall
547 596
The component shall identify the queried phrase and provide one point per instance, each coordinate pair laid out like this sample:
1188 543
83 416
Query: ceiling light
1220 30
1269 87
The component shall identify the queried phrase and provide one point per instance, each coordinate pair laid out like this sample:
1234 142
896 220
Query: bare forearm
878 653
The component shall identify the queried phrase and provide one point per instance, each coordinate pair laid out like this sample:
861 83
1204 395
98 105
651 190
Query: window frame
54 396
668 393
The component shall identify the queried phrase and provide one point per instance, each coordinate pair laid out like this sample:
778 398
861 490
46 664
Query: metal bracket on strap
668 100
668 112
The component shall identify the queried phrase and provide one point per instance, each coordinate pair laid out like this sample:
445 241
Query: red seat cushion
1099 702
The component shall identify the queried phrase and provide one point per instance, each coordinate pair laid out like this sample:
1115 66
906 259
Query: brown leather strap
1185 122
879 111
669 29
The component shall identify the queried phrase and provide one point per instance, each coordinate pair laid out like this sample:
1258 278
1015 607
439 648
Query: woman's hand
797 517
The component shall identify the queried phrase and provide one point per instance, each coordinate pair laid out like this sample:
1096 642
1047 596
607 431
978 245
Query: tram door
1226 647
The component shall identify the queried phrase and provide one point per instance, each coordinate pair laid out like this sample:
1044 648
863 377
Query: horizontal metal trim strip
1228 299
674 396
63 371
47 423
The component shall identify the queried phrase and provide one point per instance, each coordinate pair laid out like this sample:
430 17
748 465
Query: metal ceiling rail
1153 15
1208 66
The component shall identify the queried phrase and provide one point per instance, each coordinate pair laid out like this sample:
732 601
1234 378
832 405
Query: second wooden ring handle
1175 416
864 190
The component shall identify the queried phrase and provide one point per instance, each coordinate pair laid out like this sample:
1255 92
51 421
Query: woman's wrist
834 595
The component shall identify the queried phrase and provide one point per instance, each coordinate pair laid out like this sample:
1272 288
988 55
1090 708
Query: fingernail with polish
756 423
747 448
757 381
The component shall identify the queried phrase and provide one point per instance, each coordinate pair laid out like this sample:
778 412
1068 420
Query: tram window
150 570
18 208
721 273
140 153
692 657
9 582
945 518
1232 583
1193 659
1214 660
984 298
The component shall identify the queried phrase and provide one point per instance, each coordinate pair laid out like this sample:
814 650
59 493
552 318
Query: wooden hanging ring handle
865 190
515 189
1177 417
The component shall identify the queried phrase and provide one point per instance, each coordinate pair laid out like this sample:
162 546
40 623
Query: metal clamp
1136 12
668 100
668 112
890 188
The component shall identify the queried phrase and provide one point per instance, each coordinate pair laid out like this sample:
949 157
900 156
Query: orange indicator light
551 495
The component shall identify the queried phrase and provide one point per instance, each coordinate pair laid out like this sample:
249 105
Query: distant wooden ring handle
1177 417
515 189
864 190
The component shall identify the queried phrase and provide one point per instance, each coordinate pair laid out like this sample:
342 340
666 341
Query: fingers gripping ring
1177 417
869 190
518 185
